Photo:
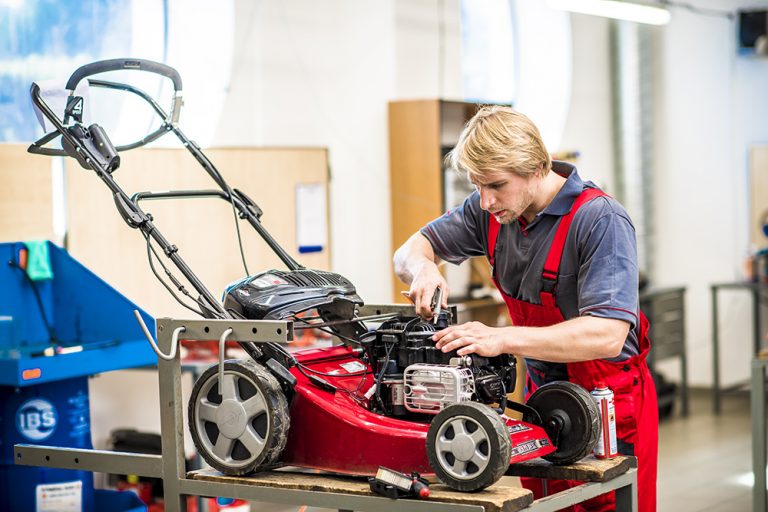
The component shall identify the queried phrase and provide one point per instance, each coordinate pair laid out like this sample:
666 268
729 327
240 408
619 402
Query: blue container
93 324
118 501
51 414
55 332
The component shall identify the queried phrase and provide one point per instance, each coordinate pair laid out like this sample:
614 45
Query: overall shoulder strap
552 265
493 234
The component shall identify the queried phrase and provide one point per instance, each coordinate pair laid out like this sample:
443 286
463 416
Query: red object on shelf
331 431
141 488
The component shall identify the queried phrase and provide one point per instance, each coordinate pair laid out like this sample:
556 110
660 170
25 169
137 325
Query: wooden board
202 229
25 194
497 498
588 469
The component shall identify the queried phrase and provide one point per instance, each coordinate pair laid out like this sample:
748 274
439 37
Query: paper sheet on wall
311 217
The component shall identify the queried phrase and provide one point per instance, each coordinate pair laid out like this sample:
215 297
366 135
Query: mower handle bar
38 146
243 201
103 66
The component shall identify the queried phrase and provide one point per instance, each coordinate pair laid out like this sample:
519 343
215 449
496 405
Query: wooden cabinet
758 186
421 133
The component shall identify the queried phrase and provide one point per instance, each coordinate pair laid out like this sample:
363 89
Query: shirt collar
572 188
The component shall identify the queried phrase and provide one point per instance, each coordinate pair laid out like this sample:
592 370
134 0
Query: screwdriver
436 304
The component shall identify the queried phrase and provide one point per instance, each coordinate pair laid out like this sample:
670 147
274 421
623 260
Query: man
563 255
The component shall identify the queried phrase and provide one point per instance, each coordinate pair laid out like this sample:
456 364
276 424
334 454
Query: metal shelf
170 466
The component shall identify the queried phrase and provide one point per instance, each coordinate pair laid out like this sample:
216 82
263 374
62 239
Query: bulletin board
202 229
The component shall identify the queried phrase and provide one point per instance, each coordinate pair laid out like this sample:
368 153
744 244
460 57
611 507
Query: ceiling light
629 11
11 4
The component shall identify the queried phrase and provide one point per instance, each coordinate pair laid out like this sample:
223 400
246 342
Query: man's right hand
424 287
416 264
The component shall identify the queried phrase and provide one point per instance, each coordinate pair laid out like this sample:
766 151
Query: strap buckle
549 281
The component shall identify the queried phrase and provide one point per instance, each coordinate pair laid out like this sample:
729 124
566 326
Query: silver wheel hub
462 447
231 419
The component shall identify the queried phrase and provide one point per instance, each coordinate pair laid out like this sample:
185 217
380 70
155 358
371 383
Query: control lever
95 140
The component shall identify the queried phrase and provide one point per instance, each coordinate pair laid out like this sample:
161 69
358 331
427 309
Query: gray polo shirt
598 271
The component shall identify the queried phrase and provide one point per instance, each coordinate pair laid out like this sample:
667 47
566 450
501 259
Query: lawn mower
384 396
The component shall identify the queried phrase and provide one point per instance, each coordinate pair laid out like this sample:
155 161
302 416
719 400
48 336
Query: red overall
630 380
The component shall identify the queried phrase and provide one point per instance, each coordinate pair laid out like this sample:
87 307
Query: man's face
507 195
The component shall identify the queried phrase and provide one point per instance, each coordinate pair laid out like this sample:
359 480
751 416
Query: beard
516 207
506 217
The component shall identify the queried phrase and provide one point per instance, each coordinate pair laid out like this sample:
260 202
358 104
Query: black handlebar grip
103 66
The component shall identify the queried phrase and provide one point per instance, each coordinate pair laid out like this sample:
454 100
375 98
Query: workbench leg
684 384
626 497
757 337
715 353
758 435
171 427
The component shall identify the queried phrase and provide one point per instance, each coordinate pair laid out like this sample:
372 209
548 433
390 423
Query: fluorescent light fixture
629 11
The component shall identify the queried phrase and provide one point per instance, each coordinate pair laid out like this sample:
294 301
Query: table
346 493
619 474
757 398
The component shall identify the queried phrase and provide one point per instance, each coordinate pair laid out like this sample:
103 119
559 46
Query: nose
486 198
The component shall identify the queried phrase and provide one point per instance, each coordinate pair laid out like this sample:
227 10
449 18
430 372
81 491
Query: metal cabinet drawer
666 313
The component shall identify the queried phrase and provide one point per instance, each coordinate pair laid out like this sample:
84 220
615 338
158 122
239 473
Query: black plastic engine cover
489 388
410 339
277 294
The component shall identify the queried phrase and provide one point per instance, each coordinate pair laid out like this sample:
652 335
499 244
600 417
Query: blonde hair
499 139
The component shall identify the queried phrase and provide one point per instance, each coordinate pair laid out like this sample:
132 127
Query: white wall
588 127
310 73
712 106
427 43
320 74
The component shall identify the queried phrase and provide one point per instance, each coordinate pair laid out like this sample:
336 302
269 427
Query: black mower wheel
570 417
468 446
246 429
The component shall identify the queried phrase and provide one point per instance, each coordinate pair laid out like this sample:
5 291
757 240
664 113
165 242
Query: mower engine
410 375
413 376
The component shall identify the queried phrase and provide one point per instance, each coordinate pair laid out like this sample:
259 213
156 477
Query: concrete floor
705 461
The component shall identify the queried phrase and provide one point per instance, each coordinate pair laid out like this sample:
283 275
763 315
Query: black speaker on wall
753 32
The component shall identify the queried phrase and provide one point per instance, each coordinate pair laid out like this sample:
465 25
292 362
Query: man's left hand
469 338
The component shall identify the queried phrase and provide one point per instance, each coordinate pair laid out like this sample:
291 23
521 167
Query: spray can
606 444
